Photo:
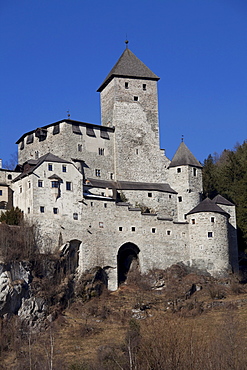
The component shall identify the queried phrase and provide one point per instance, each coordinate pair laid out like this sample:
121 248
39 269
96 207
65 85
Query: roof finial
68 114
126 42
182 139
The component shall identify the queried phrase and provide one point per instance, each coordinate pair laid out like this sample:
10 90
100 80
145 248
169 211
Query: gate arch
127 255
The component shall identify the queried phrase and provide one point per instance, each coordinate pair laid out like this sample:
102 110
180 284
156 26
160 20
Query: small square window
105 205
144 87
79 147
133 228
75 216
168 232
111 176
170 196
135 98
68 185
49 167
42 209
180 199
55 211
55 184
150 195
212 219
97 172
120 228
91 204
40 183
101 225
193 221
126 85
210 234
153 230
101 151
64 168
178 170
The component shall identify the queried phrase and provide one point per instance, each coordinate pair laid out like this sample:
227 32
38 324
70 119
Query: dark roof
128 65
221 200
207 205
49 157
183 156
71 122
128 185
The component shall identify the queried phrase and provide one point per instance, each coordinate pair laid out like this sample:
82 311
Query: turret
185 175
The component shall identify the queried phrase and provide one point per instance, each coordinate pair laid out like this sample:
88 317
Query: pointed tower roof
207 205
221 200
128 65
183 156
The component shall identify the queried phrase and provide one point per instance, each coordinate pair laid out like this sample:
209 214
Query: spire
128 65
183 156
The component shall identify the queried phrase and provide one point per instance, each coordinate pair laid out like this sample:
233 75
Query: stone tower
185 173
129 102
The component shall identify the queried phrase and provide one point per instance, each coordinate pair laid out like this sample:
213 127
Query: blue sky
55 54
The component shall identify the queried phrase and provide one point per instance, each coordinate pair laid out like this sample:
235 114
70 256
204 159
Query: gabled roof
49 157
207 205
183 156
128 65
221 200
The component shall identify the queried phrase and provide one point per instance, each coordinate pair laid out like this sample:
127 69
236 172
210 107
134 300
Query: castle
110 191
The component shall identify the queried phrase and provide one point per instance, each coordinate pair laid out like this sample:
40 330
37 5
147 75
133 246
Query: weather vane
68 114
126 42
182 139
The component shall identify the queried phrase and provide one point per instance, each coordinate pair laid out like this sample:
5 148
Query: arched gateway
127 259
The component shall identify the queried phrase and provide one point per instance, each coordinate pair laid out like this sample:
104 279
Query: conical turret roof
219 199
183 156
207 205
128 65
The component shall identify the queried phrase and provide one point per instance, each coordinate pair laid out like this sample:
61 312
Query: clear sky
54 54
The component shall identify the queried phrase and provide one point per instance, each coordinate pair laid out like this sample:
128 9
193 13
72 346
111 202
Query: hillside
173 319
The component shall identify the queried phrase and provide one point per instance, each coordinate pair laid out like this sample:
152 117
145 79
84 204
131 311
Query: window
56 129
68 185
170 196
168 232
111 176
150 195
144 87
126 85
193 221
105 205
210 234
137 151
1 192
180 199
91 204
97 172
133 228
75 216
36 154
194 172
30 139
135 98
79 147
55 184
178 170
28 210
42 209
64 168
20 189
153 230
120 228
29 184
49 167
40 183
9 177
101 225
212 219
55 211
101 151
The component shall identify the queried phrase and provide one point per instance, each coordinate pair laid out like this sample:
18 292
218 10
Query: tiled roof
128 65
129 185
207 205
183 156
221 200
